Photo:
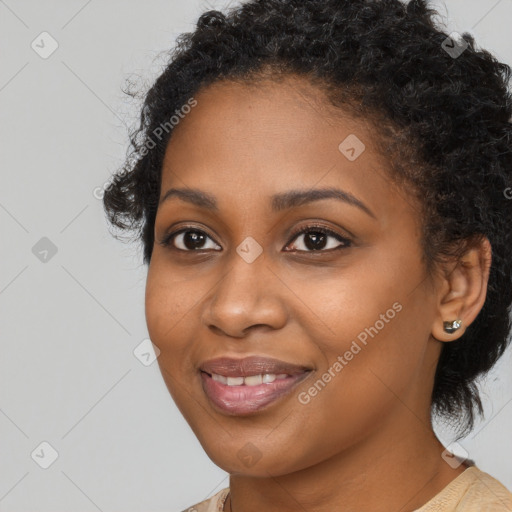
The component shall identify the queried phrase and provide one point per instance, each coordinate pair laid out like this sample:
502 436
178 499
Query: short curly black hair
443 120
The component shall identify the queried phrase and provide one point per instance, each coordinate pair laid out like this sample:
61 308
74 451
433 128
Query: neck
383 473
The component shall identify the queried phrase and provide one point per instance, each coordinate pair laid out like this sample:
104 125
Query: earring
451 327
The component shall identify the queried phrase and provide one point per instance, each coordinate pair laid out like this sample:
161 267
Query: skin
366 439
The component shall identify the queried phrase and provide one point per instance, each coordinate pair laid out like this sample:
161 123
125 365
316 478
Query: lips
244 386
253 365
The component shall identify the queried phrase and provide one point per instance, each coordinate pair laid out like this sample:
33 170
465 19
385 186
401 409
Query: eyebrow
281 201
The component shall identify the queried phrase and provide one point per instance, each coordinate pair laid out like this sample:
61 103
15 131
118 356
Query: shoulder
213 504
485 493
473 490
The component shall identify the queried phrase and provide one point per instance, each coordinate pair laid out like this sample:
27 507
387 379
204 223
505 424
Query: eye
188 240
316 238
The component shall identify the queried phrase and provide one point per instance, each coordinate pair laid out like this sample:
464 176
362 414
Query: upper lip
252 365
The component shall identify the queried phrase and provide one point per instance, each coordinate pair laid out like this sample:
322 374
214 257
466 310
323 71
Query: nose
248 296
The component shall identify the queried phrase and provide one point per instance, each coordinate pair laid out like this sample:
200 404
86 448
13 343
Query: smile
240 396
237 386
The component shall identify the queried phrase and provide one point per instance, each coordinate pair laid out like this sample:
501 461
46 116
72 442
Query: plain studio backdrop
76 393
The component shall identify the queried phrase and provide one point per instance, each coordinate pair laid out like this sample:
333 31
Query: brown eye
319 239
188 240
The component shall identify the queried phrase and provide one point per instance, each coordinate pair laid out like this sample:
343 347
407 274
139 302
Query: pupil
317 240
193 239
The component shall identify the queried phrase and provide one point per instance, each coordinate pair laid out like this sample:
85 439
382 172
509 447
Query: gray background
70 324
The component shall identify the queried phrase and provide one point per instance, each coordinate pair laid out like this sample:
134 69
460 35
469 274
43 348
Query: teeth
250 380
235 381
219 378
253 380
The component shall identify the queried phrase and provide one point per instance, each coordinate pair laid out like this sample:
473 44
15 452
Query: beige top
472 491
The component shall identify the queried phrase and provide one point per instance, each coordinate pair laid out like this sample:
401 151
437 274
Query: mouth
245 386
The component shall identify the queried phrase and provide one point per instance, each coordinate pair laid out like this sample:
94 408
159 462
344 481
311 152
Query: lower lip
238 400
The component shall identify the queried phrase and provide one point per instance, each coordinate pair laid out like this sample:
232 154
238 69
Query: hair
442 121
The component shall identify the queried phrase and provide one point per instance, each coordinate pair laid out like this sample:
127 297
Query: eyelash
312 228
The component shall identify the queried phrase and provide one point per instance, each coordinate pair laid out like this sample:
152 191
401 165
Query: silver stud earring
451 327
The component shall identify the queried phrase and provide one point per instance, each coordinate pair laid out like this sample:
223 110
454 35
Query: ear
462 290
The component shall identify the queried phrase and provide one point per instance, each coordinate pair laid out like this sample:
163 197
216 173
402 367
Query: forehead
265 126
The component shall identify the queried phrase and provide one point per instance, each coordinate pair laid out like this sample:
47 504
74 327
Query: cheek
168 299
172 308
348 401
167 304
372 350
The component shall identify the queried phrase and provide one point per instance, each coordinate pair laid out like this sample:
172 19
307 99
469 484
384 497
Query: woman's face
268 266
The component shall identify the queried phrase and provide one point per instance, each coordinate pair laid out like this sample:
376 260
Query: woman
322 191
